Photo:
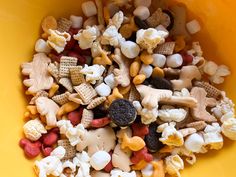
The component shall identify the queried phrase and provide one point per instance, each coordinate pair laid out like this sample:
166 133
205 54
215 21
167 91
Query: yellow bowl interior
20 27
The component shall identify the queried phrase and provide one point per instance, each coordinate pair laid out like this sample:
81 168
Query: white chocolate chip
174 61
159 60
103 90
145 3
77 21
130 49
193 27
41 46
146 70
110 81
194 143
210 68
89 8
142 12
100 159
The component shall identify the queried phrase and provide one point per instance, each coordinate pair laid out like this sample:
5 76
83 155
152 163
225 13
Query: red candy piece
141 155
50 138
102 122
46 151
75 116
109 166
187 59
70 44
81 59
73 31
31 149
139 129
86 52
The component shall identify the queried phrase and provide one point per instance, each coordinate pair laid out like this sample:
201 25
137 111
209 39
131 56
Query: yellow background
19 29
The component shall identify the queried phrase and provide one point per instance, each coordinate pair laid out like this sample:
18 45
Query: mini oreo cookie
122 112
141 24
152 139
161 83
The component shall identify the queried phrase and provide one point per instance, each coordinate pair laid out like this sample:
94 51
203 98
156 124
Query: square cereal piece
155 19
165 49
62 98
53 69
86 92
87 118
134 94
63 25
75 75
212 91
65 64
70 150
65 82
96 102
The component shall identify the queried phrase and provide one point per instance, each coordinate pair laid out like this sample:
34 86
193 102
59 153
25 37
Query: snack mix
123 91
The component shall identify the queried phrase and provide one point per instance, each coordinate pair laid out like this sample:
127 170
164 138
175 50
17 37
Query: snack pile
123 91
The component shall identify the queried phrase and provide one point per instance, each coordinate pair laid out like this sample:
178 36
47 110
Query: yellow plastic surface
19 29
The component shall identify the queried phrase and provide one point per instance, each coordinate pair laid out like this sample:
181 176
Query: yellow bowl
20 27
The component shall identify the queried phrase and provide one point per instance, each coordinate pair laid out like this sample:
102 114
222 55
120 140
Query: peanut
158 72
139 79
146 58
134 68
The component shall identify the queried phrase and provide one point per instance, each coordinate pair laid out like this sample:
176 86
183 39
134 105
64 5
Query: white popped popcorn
87 36
194 143
103 90
74 134
169 115
182 151
112 37
174 164
41 46
34 129
52 164
120 173
82 161
170 136
93 73
117 20
221 72
100 159
58 40
212 137
210 68
147 116
149 39
68 164
229 128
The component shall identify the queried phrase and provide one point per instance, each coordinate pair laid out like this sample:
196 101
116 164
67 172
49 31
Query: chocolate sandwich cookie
161 83
122 112
152 139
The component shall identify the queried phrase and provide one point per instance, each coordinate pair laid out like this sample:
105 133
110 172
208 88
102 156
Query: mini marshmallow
103 90
89 8
100 159
193 27
146 70
142 12
148 170
41 46
110 81
174 61
194 143
77 21
159 60
145 3
210 68
130 49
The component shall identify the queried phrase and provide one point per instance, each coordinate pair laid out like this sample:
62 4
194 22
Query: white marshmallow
145 3
146 70
103 90
174 61
130 49
159 60
41 46
210 68
194 143
193 27
100 159
110 81
142 12
77 21
89 8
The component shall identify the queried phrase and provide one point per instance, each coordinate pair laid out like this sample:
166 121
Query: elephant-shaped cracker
37 70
